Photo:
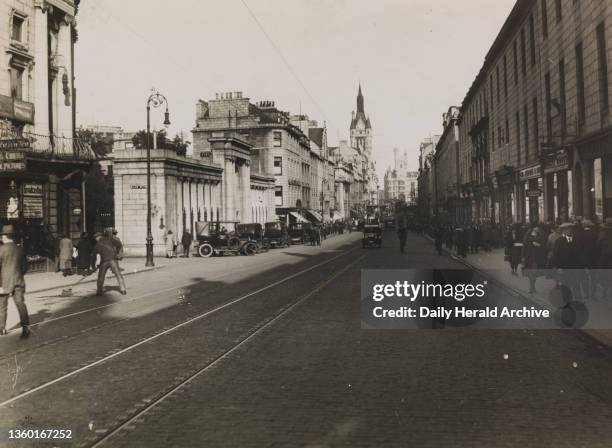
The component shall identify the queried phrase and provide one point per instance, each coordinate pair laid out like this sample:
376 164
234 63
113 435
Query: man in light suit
13 266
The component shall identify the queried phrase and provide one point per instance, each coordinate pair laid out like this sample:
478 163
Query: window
507 132
536 132
580 84
544 19
278 196
517 120
17 31
523 56
532 39
562 101
505 79
16 82
500 137
498 89
515 53
491 79
602 63
278 166
548 106
525 133
278 139
558 10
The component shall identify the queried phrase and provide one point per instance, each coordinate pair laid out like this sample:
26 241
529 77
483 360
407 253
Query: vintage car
300 232
253 232
372 236
276 234
220 238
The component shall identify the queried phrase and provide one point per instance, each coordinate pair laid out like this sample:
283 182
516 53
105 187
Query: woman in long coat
65 255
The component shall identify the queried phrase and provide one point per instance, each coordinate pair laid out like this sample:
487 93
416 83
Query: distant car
300 232
372 236
389 222
220 237
276 234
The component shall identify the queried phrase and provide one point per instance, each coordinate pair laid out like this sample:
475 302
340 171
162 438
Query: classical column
41 69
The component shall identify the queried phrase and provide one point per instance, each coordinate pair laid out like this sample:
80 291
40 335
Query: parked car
372 236
220 237
300 232
276 234
254 232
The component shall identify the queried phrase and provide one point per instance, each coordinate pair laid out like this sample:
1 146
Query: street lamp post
156 99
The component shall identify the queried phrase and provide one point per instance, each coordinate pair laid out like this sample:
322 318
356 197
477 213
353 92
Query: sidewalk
44 281
493 266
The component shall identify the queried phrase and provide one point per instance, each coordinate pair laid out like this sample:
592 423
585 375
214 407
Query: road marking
169 330
128 424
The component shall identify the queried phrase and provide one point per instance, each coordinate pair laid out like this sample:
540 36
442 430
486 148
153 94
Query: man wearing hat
566 259
109 256
13 266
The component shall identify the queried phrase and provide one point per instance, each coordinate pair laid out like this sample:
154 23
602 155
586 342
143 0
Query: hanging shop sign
23 111
32 197
531 172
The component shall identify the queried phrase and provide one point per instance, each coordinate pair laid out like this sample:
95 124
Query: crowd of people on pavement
576 254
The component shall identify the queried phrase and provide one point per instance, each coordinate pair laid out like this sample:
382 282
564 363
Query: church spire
360 100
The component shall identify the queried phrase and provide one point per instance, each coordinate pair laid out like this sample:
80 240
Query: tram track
109 324
166 331
259 329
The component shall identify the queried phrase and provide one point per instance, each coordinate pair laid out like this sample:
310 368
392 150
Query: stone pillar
41 70
63 99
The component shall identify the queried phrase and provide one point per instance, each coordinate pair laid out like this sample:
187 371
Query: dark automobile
254 232
220 237
300 232
372 236
276 234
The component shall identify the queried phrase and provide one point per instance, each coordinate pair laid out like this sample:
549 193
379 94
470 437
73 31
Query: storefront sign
32 200
556 161
14 143
8 166
534 192
138 187
530 173
23 111
7 156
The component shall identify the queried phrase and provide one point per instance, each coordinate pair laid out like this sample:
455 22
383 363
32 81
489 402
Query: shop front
41 197
530 192
557 185
503 185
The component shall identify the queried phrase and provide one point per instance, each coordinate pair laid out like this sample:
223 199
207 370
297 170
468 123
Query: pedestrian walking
13 266
586 242
534 256
401 226
514 247
66 250
170 245
109 253
439 238
566 259
186 242
84 254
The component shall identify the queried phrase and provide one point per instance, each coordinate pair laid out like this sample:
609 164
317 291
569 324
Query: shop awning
298 217
315 215
338 217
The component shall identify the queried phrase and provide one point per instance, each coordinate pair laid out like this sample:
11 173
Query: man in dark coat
186 242
109 253
13 266
566 259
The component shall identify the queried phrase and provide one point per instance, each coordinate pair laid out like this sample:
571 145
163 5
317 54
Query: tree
177 144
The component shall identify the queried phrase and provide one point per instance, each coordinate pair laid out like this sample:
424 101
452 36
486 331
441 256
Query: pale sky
414 59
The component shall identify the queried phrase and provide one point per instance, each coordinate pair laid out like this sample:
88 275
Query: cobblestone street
273 355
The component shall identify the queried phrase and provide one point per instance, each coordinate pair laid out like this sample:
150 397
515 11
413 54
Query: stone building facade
534 128
446 166
42 166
